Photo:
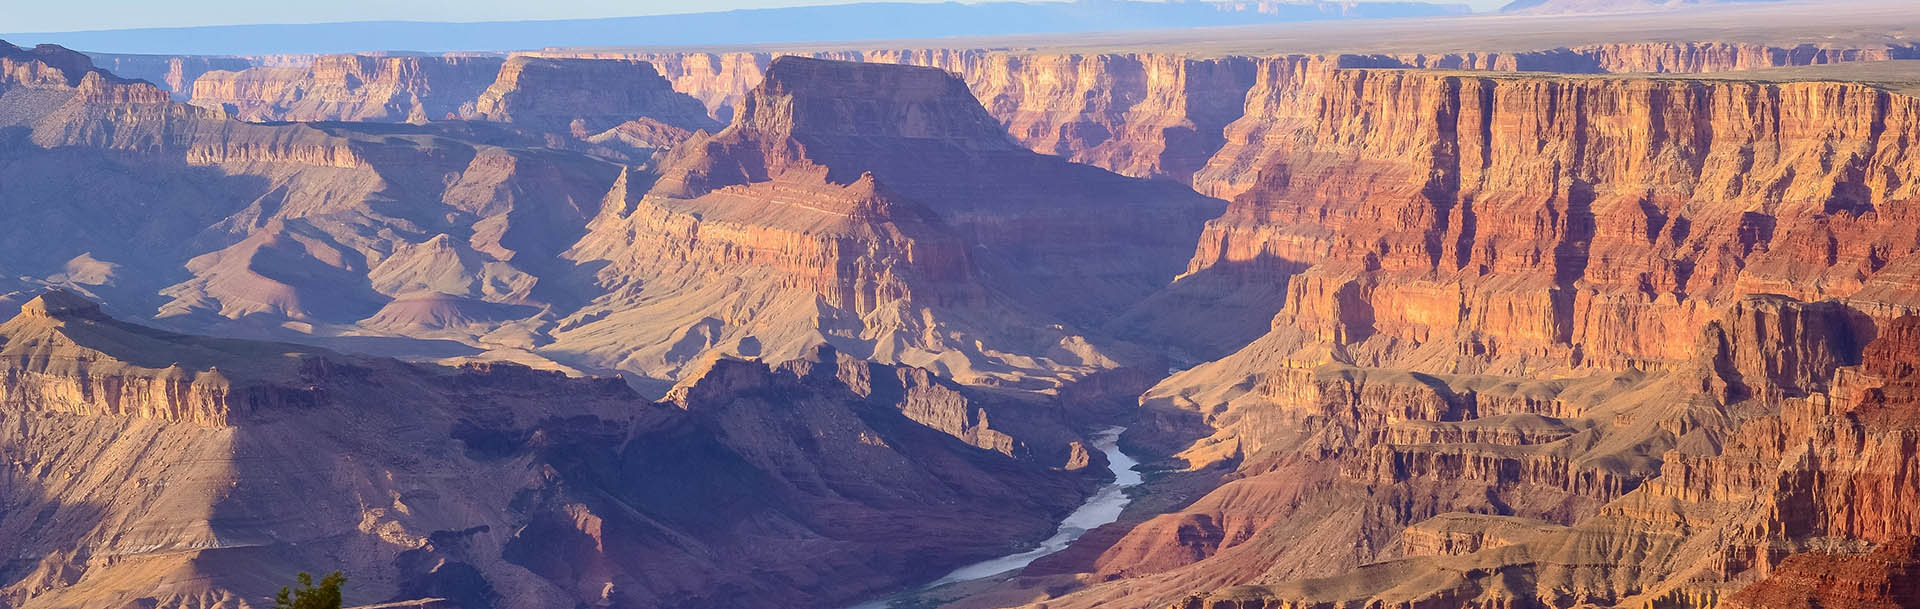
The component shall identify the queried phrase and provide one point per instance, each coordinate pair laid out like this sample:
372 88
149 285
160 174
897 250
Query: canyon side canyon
1442 314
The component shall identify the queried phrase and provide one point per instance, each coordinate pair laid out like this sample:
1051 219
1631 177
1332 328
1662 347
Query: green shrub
308 596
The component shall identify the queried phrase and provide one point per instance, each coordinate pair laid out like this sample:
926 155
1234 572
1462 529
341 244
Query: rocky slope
152 469
1542 339
1789 501
881 209
897 223
271 228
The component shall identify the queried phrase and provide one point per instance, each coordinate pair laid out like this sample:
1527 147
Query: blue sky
56 15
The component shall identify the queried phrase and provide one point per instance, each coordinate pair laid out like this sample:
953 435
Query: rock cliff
208 469
1554 222
1776 502
53 354
565 96
1162 114
1645 374
350 88
175 73
881 209
582 96
1153 114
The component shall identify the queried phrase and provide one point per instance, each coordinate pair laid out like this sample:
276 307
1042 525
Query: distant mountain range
863 21
1606 6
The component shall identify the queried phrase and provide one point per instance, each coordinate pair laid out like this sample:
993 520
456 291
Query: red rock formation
1554 221
1887 578
1801 501
879 208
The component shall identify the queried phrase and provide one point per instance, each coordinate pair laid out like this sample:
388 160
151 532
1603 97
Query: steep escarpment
1797 501
1664 57
1143 115
1162 114
1612 337
881 209
571 97
175 73
581 96
53 352
1881 578
1355 485
1561 222
1139 114
349 87
48 77
568 488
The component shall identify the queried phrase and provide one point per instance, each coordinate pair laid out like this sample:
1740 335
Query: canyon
139 456
1601 323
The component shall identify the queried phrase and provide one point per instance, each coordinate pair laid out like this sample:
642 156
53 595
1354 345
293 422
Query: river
1102 508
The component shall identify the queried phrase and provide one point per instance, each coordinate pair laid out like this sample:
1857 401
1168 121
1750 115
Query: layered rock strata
881 209
1646 327
349 88
309 225
566 96
154 469
581 96
1555 222
1139 114
1163 114
1797 501
175 73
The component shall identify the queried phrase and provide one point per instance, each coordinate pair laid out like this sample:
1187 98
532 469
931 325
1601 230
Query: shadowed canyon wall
210 468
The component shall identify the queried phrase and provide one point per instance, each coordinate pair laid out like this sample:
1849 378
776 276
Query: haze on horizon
134 14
